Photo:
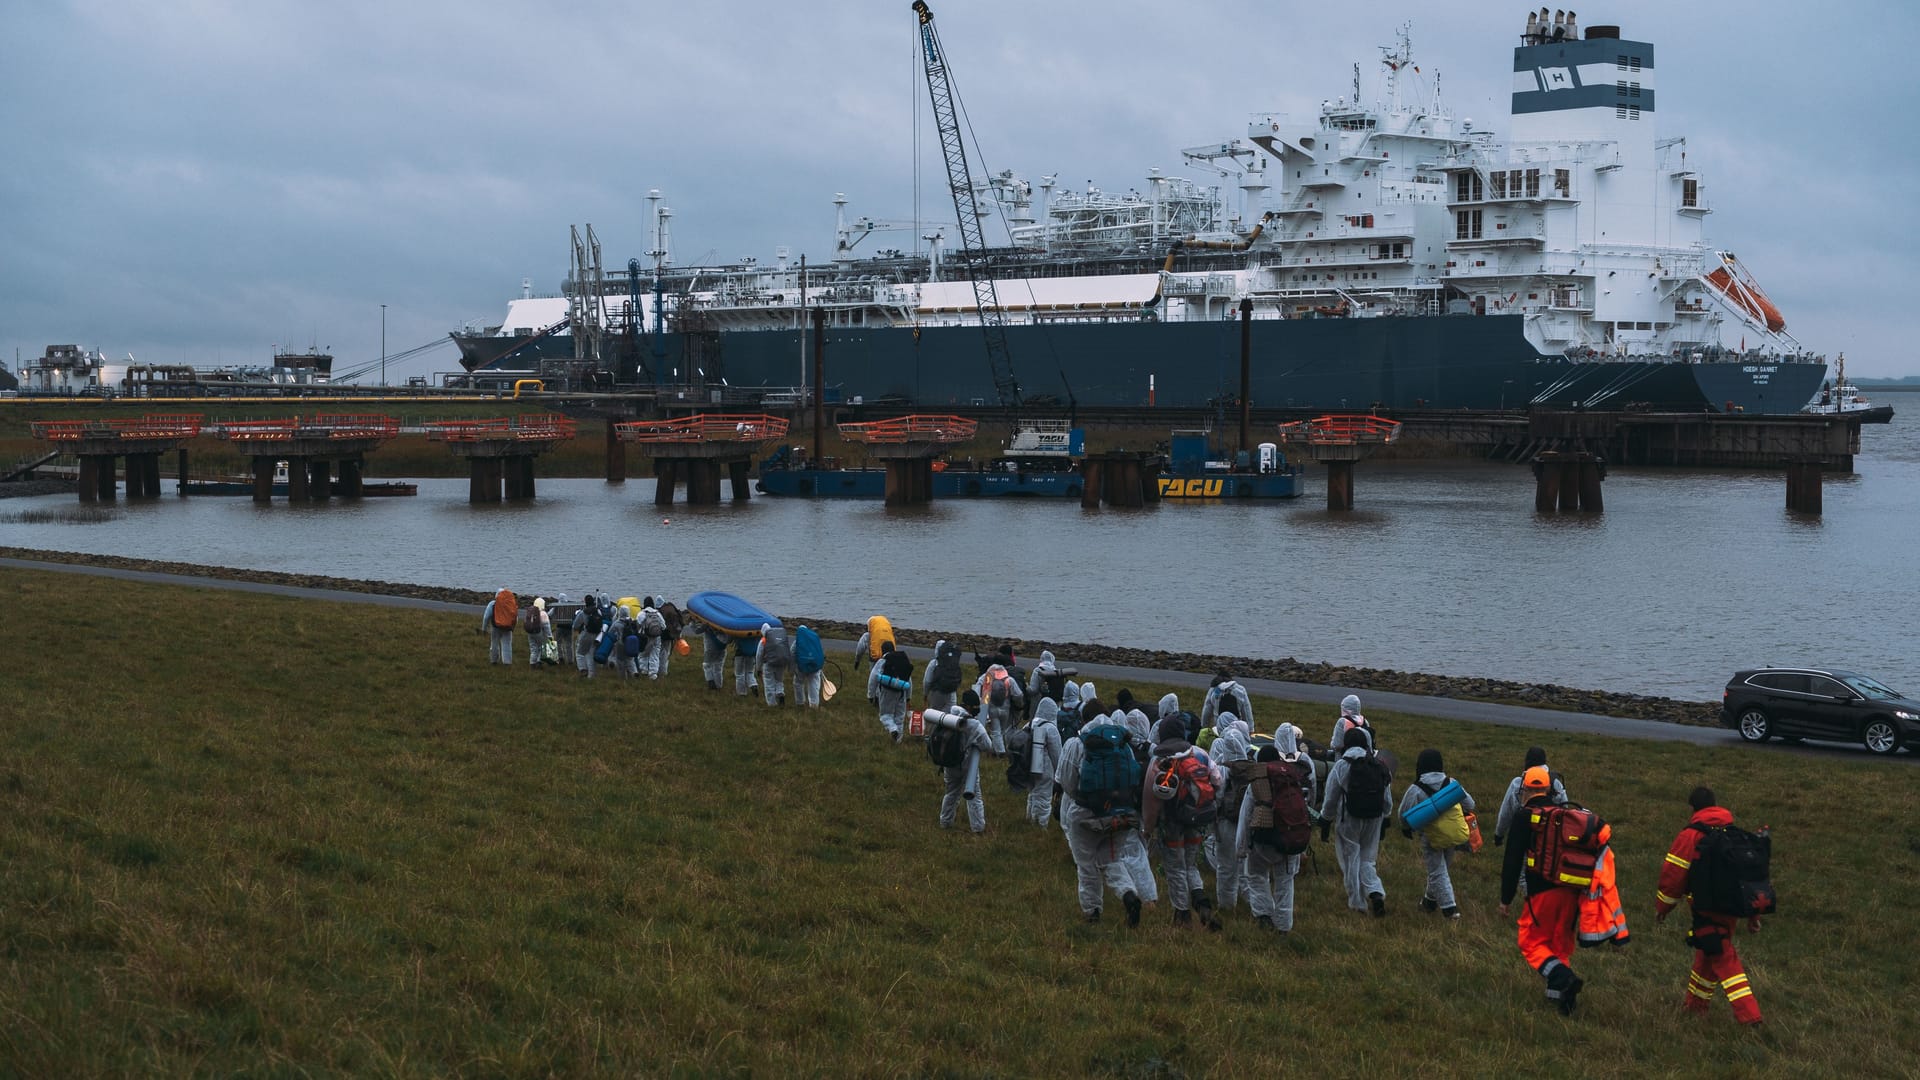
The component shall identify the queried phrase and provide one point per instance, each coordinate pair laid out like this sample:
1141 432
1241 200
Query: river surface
1442 568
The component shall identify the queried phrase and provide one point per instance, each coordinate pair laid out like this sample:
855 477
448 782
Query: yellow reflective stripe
1664 898
1732 981
1706 995
1736 995
1678 861
1698 981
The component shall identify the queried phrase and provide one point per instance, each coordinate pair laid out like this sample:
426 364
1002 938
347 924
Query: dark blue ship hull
1333 364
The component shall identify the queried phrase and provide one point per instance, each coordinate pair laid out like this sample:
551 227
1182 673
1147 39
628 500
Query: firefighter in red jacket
1716 964
1551 911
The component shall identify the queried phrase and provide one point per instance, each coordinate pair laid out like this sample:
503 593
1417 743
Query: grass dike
251 833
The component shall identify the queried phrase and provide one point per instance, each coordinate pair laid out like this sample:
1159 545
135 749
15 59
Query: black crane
973 256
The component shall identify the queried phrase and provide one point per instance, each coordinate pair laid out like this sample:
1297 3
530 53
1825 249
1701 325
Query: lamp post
383 344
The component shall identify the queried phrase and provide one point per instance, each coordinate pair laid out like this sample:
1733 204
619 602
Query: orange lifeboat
1738 286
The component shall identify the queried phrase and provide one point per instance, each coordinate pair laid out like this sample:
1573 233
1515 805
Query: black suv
1819 703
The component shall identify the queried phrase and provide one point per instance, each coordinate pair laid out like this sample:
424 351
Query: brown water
1443 568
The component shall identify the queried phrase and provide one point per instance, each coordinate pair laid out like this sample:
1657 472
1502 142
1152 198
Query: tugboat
1194 471
1842 398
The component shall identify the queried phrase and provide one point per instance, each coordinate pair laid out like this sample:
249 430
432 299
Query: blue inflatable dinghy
729 614
1423 813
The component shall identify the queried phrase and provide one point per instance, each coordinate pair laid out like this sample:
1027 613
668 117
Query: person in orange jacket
1550 911
1716 964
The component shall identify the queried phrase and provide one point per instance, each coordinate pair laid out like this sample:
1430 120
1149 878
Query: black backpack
1367 780
1068 721
1020 750
897 665
946 669
1192 723
1730 873
595 620
947 746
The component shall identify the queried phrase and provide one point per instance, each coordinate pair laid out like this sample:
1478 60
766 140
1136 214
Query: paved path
1110 678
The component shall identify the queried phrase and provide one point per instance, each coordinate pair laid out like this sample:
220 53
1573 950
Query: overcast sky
201 181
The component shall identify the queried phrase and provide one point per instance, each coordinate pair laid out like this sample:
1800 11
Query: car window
1870 687
1829 687
1780 680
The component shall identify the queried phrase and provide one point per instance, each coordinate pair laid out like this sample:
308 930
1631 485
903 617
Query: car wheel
1754 726
1881 736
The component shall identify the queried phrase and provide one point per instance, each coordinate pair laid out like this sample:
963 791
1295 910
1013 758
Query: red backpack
1280 819
1567 841
1186 785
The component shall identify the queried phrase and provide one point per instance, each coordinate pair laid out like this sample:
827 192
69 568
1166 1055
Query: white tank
1269 457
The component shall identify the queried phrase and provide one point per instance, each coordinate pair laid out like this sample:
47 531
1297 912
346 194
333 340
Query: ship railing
1341 429
917 428
704 427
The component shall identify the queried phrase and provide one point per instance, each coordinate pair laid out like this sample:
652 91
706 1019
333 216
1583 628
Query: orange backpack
506 609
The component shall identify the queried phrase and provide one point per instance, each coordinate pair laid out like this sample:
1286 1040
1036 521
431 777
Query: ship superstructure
1391 253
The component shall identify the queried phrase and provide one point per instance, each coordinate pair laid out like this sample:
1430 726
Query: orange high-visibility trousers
1723 972
1547 921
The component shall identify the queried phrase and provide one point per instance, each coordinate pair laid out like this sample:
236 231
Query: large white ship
1391 255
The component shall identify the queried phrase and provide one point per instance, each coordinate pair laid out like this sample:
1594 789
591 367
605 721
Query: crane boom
993 322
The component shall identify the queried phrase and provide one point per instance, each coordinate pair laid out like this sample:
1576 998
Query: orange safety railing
537 427
912 429
704 427
319 426
155 426
1342 429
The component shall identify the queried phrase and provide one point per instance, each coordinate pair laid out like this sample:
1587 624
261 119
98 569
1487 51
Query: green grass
251 834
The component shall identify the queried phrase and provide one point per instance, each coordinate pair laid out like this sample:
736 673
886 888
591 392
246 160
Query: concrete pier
1338 441
1119 479
696 450
1803 486
499 452
1567 481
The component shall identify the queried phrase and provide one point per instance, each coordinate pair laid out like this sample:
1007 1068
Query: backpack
1021 746
671 618
897 665
1567 842
534 627
1068 720
1730 873
1192 722
651 623
1449 830
1186 785
596 620
997 689
808 655
946 669
506 609
1280 817
947 746
631 644
776 652
1367 780
1110 776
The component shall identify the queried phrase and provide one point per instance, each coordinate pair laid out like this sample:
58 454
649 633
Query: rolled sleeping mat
1423 814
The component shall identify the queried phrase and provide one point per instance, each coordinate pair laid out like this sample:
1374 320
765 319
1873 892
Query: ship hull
1333 364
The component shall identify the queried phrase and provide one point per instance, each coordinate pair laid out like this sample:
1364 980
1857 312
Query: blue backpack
1110 776
808 655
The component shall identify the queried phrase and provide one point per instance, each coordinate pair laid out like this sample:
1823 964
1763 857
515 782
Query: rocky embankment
1286 669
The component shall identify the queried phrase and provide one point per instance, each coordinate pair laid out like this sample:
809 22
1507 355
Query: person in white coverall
962 780
713 657
1043 734
1228 696
1269 874
1358 838
1180 842
1099 853
1151 850
1223 841
772 662
999 714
